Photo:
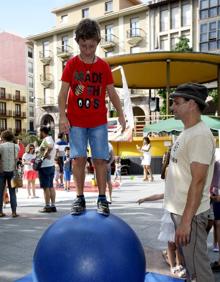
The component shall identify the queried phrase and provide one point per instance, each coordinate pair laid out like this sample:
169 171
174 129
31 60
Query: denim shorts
46 176
67 175
96 137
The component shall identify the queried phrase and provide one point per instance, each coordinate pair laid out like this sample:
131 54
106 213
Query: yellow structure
13 107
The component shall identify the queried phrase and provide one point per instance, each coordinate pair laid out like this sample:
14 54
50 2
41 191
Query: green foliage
214 94
183 45
29 138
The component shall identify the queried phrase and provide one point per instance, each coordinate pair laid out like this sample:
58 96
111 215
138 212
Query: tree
183 45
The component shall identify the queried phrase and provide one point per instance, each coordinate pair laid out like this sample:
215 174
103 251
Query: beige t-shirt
195 144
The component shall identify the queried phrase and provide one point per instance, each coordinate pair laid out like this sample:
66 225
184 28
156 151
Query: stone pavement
19 236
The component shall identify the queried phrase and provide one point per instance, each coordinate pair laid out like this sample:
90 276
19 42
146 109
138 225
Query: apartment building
209 26
13 87
127 26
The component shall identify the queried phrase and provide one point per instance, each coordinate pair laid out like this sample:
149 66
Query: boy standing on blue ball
85 80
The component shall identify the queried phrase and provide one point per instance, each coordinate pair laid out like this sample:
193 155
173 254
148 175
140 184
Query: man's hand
122 122
64 125
182 236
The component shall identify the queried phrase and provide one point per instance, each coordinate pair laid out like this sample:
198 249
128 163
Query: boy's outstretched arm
153 197
113 96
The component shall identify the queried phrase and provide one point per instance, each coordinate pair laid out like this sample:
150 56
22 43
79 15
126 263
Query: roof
150 69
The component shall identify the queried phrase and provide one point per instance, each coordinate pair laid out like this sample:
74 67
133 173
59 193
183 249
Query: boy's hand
122 122
64 124
140 201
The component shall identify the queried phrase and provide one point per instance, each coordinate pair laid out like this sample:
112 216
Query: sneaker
53 209
78 206
103 208
45 210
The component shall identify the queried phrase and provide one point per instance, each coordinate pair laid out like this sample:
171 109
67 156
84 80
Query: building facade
126 27
13 86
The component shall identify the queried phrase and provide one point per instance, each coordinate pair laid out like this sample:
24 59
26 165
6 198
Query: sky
29 17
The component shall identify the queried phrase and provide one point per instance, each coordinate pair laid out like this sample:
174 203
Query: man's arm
199 174
62 98
113 96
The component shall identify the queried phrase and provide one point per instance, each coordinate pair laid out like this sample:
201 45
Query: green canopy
172 125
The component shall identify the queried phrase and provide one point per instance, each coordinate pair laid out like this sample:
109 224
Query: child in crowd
57 173
167 234
30 175
67 168
118 169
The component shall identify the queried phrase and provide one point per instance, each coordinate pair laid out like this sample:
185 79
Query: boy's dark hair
60 135
66 148
7 135
88 29
45 129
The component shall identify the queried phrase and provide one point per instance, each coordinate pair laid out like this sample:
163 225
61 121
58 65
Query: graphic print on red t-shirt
86 98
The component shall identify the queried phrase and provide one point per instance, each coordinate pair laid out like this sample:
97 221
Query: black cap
194 91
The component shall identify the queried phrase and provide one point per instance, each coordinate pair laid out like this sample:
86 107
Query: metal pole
149 106
168 85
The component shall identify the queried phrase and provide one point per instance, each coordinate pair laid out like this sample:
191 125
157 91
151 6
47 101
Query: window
64 19
64 42
46 49
30 67
204 47
204 14
31 111
31 126
134 27
48 99
2 108
31 82
186 34
164 20
134 50
109 54
31 96
17 109
85 13
174 39
186 15
17 95
30 52
18 125
213 3
213 12
109 6
108 33
212 45
3 124
204 4
2 92
164 44
175 23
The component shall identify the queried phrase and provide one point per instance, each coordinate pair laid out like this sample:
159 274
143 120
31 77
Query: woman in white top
30 174
146 161
8 153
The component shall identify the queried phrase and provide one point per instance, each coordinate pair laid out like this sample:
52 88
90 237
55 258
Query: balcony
17 114
109 41
5 113
46 56
64 52
20 99
49 104
46 79
135 36
6 97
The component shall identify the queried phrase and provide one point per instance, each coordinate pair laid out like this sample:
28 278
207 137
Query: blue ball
89 248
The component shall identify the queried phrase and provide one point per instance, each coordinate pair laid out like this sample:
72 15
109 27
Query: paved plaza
19 237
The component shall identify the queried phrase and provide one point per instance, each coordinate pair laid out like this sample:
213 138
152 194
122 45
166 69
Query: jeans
6 177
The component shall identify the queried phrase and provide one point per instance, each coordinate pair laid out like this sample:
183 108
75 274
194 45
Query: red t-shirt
86 99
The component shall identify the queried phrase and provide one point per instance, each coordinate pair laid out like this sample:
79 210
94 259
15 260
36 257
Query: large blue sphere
89 248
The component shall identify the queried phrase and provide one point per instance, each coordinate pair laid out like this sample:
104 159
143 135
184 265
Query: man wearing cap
188 180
